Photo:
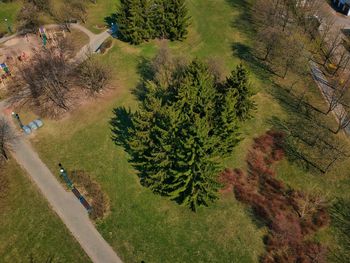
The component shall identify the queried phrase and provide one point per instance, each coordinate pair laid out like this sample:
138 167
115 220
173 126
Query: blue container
39 123
32 125
27 130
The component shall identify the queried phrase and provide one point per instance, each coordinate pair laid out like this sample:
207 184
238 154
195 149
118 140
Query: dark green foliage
176 19
340 215
141 20
180 134
237 88
130 21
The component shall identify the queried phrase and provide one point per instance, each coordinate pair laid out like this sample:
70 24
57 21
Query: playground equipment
52 35
74 190
43 35
5 68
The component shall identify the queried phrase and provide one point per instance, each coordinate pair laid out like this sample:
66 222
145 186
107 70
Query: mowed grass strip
8 11
30 228
141 225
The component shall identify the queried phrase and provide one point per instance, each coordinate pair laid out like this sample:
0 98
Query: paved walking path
4 39
95 42
64 203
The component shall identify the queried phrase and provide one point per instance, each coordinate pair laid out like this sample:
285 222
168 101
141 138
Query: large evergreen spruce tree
130 20
176 19
237 88
140 20
178 137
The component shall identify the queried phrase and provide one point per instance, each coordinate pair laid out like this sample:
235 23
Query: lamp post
16 116
8 25
65 176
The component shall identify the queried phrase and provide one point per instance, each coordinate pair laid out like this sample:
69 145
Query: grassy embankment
28 226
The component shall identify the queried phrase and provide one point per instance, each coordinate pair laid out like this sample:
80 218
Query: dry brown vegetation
94 194
291 216
51 84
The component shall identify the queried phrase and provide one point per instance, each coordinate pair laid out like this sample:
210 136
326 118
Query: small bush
97 198
106 45
290 215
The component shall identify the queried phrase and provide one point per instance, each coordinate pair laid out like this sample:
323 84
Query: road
64 203
340 20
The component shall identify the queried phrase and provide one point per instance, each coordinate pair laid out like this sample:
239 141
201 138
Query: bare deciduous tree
307 203
330 47
77 10
45 82
28 18
270 37
342 60
343 119
7 138
93 75
337 95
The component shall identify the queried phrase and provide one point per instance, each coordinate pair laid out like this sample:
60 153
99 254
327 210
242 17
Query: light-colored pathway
95 42
64 203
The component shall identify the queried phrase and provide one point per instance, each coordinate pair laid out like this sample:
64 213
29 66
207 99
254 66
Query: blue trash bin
27 129
32 125
39 123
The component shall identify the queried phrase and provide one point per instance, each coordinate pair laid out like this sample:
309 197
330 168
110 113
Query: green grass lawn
97 12
29 227
9 11
144 226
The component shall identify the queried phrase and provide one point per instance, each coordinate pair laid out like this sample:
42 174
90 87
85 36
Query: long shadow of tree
310 144
340 215
146 73
121 124
309 141
245 24
121 127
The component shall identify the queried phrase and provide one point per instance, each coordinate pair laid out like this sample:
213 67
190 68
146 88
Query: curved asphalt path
64 203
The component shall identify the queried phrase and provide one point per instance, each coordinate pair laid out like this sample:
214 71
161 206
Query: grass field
9 11
29 227
143 226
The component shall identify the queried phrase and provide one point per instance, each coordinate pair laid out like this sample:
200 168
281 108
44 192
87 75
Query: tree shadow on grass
243 22
340 220
245 53
122 127
146 73
309 142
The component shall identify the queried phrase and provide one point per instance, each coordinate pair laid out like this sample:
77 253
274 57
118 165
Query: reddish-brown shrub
227 179
289 214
